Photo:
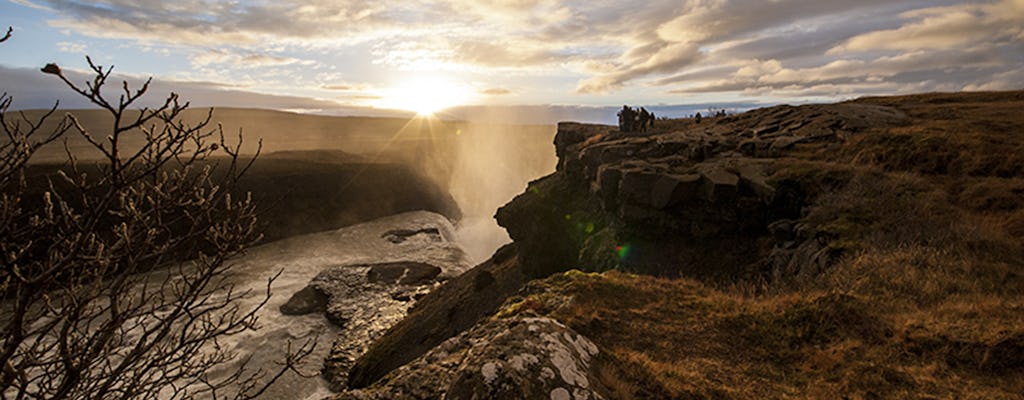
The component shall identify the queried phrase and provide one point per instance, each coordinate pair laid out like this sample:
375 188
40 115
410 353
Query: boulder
511 358
305 301
607 185
636 185
671 189
752 177
718 184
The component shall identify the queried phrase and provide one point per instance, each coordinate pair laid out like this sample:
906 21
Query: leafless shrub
78 318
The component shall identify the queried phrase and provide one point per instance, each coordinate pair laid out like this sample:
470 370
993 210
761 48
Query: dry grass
666 338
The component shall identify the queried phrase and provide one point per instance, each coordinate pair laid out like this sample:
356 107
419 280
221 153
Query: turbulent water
300 259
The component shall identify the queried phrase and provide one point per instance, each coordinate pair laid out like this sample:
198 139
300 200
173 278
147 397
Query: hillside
320 172
865 249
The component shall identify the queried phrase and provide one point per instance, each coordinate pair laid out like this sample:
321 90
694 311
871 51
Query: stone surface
305 301
446 312
402 273
513 358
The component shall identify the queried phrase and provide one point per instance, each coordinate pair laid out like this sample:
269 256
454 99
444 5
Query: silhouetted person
622 119
629 114
651 124
697 118
645 118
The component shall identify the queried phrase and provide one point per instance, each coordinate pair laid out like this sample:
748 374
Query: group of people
633 120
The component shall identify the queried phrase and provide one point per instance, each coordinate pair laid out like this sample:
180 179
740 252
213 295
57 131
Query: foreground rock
451 309
514 358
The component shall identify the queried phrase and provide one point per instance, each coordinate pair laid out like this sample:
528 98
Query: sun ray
425 95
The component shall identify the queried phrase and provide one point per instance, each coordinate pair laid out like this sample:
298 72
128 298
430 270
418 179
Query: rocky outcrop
513 358
690 199
365 302
451 309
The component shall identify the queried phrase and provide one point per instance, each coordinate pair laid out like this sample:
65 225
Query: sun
425 95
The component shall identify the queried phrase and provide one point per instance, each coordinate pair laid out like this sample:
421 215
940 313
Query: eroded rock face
453 308
513 358
671 201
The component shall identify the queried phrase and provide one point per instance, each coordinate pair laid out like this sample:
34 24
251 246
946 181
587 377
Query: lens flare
622 250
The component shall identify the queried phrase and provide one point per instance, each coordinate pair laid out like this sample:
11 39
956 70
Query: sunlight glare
425 96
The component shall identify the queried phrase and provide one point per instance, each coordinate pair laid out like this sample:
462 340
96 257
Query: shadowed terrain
317 173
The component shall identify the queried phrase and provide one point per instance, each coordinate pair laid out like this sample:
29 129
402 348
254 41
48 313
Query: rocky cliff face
687 199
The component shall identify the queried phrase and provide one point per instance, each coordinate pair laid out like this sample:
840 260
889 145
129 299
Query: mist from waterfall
492 164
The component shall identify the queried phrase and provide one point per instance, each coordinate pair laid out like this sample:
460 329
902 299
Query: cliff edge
868 249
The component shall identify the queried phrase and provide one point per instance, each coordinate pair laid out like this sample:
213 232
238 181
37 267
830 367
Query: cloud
667 58
667 47
959 26
30 4
496 92
245 60
919 70
699 30
72 47
346 87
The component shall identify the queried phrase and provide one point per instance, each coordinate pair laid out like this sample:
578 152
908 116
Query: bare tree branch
79 318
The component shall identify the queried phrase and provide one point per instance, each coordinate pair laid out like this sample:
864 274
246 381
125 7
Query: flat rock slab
402 273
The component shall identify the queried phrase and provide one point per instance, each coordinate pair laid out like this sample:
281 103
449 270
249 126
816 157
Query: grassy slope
927 300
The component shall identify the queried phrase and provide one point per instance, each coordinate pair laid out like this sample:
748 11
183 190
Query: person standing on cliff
697 118
644 119
623 117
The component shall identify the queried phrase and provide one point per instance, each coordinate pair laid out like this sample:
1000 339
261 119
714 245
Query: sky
364 57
